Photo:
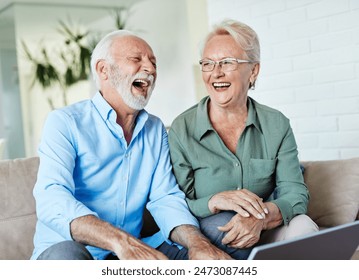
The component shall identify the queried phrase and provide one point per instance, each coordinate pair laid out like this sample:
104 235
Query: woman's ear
253 77
255 72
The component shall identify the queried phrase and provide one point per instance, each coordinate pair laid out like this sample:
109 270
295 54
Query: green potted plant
75 57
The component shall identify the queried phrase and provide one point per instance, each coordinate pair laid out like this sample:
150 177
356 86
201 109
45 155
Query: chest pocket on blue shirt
262 176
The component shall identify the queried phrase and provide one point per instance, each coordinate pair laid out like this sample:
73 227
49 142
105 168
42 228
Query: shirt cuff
285 208
199 207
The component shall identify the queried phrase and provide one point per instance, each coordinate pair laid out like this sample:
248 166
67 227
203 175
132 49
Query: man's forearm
187 235
92 231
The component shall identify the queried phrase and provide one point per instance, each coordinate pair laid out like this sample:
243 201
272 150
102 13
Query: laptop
336 243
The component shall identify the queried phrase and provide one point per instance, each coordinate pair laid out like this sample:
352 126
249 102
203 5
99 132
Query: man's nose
148 67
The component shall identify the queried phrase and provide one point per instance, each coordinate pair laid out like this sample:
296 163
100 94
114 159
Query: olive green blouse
266 160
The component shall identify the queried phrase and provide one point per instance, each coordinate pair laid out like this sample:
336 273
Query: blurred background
309 66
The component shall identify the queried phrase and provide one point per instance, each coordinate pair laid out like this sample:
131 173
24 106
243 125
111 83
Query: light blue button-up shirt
87 168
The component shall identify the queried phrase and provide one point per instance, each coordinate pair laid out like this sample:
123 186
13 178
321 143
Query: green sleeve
291 194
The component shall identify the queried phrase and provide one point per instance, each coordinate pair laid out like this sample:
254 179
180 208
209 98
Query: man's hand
205 250
90 230
134 249
243 201
199 247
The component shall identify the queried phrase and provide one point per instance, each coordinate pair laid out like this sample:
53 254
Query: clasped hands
244 229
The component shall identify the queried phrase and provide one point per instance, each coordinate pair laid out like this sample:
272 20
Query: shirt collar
106 111
252 118
102 106
203 123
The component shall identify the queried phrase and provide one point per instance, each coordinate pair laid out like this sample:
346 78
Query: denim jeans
299 225
66 250
209 229
72 250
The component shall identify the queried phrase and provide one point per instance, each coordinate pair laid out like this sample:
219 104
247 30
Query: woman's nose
217 71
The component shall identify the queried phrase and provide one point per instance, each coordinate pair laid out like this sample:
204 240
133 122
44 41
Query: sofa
333 186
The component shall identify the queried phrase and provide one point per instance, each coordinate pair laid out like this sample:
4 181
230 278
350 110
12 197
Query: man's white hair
103 51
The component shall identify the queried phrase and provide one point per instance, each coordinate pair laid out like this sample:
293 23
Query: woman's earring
252 85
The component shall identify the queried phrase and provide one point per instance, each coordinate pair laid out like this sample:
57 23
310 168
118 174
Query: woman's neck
227 115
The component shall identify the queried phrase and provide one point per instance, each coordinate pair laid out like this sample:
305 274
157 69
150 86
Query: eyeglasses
227 64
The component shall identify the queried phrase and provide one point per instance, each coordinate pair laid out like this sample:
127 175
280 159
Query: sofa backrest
17 208
333 187
334 191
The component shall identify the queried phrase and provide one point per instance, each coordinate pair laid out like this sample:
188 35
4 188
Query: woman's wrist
212 205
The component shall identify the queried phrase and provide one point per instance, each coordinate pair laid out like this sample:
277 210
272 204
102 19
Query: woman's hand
243 201
242 232
245 232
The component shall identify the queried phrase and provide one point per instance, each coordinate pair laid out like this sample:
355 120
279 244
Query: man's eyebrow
134 54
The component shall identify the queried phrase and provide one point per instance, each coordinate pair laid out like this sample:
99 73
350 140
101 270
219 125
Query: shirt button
236 164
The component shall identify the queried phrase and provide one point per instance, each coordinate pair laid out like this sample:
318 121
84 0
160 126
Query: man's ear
102 69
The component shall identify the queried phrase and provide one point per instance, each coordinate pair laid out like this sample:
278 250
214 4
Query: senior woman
235 159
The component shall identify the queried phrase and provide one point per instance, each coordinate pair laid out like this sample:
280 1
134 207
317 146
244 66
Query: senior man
102 161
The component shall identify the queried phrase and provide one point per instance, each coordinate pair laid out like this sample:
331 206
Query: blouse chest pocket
261 177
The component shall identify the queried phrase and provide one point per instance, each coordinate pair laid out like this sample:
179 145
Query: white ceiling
7 15
102 3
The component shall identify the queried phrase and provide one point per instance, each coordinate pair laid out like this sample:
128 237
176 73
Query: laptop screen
336 243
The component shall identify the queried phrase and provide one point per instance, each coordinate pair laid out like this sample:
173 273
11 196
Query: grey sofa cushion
17 207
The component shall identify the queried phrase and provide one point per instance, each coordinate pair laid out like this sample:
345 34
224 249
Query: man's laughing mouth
141 84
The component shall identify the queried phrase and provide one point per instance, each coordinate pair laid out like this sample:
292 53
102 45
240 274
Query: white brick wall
310 67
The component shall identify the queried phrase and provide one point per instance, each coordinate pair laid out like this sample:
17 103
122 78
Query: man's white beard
123 85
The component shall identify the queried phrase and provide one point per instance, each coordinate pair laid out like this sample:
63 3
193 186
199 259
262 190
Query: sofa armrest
17 207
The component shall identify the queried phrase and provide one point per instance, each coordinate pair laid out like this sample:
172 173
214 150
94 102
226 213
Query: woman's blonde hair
244 35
